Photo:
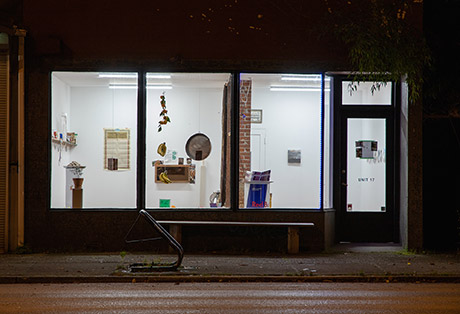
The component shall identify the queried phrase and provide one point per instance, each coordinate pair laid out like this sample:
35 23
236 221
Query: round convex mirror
198 146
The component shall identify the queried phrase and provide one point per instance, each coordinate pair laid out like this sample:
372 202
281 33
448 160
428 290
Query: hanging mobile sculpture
161 150
163 113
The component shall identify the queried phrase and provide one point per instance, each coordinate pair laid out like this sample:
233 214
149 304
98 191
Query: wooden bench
175 228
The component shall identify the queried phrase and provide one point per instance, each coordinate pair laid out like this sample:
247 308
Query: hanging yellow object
161 150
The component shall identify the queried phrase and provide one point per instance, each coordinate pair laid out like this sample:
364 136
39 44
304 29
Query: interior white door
258 147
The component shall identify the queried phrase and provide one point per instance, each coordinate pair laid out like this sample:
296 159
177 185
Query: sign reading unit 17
366 179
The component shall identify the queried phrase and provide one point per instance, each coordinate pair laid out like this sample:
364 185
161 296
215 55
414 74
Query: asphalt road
231 298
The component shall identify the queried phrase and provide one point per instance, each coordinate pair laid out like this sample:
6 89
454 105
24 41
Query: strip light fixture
134 86
134 75
294 88
303 77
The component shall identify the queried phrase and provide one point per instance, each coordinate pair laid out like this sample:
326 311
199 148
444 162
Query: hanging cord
199 111
113 109
113 122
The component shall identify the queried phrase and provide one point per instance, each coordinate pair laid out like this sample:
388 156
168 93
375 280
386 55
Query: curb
226 278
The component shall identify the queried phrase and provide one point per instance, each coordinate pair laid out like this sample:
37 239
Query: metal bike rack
143 267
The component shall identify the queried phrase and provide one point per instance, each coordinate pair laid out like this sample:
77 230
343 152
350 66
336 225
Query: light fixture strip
134 75
296 89
305 78
118 75
158 76
134 86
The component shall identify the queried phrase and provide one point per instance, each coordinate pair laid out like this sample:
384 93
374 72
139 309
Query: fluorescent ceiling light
134 75
303 77
158 76
300 77
288 88
117 75
123 86
159 86
134 86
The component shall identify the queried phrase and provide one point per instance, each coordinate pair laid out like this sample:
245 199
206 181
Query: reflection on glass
94 125
366 93
186 147
366 175
280 140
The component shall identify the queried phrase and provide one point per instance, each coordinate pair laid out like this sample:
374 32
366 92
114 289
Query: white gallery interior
86 103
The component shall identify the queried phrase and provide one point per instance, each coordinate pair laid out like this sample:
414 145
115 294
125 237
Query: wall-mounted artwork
116 147
294 156
256 116
365 149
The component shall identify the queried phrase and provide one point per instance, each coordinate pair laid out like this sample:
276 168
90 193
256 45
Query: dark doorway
365 162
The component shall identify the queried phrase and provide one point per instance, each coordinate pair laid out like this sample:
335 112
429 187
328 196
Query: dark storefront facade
260 123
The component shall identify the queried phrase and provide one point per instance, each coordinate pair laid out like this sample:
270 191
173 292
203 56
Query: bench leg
293 240
176 232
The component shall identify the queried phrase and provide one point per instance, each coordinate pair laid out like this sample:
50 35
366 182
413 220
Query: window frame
234 144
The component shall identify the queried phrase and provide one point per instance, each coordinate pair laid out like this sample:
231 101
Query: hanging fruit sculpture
161 150
163 113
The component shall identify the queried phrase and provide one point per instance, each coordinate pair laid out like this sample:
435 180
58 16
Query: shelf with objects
62 142
70 140
175 173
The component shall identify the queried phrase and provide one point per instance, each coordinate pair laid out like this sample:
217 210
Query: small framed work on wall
256 116
116 149
294 156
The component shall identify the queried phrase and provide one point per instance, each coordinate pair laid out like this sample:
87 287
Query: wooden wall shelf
176 173
62 142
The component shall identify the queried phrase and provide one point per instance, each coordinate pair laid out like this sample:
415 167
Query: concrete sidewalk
343 263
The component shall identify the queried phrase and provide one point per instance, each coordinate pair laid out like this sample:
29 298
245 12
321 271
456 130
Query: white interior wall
60 153
90 111
191 110
93 109
292 120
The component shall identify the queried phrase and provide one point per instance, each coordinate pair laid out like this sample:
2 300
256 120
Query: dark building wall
267 36
441 127
174 32
441 184
158 36
80 231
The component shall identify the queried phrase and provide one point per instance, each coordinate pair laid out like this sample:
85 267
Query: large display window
280 140
184 139
94 137
190 155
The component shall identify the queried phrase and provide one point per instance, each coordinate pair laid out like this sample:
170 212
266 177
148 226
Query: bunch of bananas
161 150
164 178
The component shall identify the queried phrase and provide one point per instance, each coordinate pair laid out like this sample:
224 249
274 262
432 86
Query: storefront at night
196 123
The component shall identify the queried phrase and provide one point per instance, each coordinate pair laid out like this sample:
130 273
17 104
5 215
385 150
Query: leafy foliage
383 40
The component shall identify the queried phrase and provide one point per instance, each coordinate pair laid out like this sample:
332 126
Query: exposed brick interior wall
245 134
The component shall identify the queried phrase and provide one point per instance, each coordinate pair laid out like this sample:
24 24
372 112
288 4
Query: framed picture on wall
256 116
116 149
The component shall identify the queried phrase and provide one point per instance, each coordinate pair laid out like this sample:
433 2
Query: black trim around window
141 139
234 150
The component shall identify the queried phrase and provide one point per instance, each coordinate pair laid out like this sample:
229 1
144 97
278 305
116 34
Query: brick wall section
245 134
